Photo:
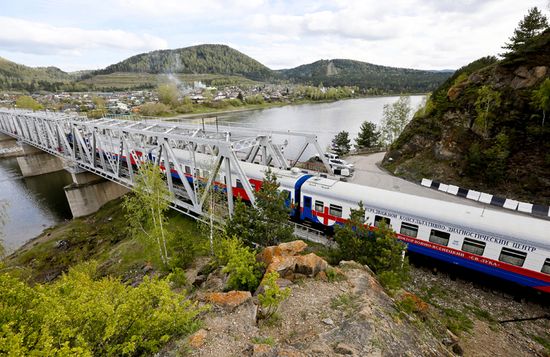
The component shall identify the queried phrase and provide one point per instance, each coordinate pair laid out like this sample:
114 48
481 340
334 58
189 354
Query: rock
62 244
310 264
260 350
457 349
282 250
322 276
215 281
147 268
328 321
199 279
447 342
197 339
452 336
282 265
526 78
343 349
230 299
540 71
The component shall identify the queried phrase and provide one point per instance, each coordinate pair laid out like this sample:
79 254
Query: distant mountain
214 59
15 76
340 72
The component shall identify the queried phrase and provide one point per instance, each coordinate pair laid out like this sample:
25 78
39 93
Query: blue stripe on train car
499 273
298 193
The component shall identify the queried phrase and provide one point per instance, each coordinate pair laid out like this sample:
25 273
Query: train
513 247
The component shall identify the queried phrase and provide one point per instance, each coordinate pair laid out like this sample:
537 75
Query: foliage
254 99
321 93
541 98
28 102
368 135
272 296
371 79
379 249
147 207
532 25
341 143
239 261
154 109
195 59
395 117
267 224
487 100
19 77
81 315
168 94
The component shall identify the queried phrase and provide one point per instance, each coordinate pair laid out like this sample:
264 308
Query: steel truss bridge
100 145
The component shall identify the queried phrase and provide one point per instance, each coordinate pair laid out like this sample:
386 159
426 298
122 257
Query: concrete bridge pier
89 192
34 162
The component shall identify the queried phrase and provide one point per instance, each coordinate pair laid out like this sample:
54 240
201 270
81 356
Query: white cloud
41 38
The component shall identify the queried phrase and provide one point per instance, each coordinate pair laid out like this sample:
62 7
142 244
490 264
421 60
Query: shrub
80 315
240 263
273 295
154 109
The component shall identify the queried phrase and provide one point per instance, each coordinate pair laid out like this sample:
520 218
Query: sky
423 34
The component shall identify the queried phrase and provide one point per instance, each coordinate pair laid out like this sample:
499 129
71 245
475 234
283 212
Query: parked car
340 164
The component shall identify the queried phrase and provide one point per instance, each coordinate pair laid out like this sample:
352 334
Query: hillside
340 72
500 145
214 59
19 77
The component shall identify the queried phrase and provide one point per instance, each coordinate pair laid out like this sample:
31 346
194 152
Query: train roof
515 227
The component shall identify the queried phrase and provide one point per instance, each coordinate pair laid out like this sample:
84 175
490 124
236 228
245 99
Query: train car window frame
187 170
239 184
546 267
508 255
307 202
439 237
407 228
378 219
473 246
335 210
319 204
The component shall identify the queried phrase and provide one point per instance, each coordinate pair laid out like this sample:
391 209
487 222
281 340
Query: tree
379 249
532 25
273 295
27 102
395 117
541 98
239 261
341 144
368 135
147 207
487 99
267 224
168 94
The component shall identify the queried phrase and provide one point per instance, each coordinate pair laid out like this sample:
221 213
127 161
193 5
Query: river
36 203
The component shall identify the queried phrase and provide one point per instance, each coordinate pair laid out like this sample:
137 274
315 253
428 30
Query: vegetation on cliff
484 127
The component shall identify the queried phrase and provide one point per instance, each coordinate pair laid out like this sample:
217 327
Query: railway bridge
97 153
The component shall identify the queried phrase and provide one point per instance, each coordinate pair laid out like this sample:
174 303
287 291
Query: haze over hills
212 61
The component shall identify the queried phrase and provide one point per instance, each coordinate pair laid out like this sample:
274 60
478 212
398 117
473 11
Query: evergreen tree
368 135
267 224
341 144
532 25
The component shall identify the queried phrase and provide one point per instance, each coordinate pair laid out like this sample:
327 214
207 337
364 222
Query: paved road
369 174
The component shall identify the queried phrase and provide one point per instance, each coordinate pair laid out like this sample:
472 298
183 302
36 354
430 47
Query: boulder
344 349
230 299
197 339
310 264
525 77
281 250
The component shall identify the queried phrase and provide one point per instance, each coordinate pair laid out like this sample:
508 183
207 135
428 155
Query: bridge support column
89 192
35 162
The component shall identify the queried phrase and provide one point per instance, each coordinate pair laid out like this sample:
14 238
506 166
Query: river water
36 203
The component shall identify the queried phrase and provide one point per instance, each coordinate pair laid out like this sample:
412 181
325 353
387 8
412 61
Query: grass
259 340
346 302
103 237
457 321
544 341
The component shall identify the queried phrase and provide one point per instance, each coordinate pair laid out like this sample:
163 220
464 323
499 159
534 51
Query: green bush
240 263
273 295
154 109
84 316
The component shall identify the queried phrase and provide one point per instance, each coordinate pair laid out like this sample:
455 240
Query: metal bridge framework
98 146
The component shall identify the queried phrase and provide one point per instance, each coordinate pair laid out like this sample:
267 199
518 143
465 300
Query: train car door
306 213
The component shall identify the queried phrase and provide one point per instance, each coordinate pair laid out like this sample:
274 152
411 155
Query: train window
473 246
379 219
546 267
410 230
439 237
335 211
511 256
286 194
239 184
319 206
188 170
307 202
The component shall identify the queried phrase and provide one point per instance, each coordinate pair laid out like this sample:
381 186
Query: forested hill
217 59
486 127
19 77
341 72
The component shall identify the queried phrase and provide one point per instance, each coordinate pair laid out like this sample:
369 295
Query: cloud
41 38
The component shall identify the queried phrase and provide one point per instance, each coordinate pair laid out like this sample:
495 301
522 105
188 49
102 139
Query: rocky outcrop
527 77
229 300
